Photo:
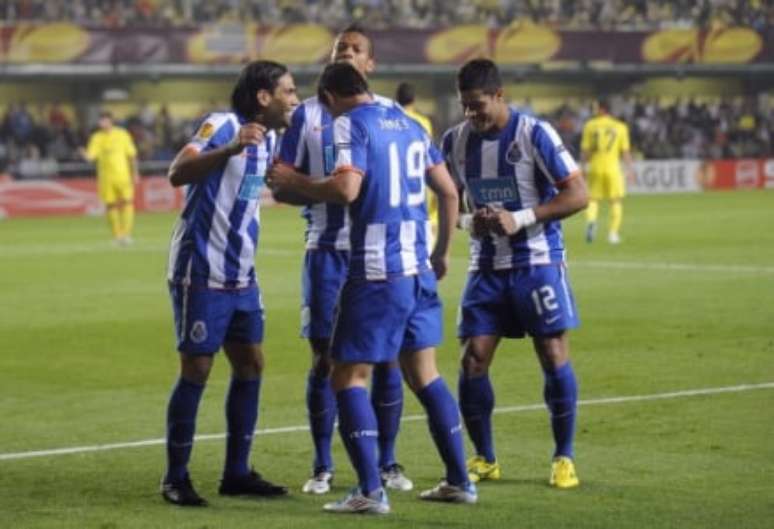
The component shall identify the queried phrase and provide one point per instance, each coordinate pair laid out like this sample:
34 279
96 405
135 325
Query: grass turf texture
87 358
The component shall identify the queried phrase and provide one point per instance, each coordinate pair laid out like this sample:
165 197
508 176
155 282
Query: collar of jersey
494 135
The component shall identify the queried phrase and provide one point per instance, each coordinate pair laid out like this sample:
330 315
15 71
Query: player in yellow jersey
604 143
405 96
115 154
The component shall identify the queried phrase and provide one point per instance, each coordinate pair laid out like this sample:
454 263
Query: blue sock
444 420
561 395
387 400
181 425
477 402
241 417
357 426
321 406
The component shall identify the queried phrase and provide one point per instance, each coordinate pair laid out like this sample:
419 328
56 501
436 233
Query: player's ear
499 94
263 97
370 65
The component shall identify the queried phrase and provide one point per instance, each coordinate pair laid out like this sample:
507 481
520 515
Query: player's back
389 229
604 139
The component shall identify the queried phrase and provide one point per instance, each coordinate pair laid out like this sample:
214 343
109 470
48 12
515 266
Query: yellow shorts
113 190
606 185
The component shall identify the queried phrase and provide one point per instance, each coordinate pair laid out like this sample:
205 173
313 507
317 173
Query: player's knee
322 365
473 363
196 369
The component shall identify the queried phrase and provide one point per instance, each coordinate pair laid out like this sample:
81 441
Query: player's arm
91 151
342 187
555 162
626 153
443 186
284 194
134 168
291 153
192 165
131 157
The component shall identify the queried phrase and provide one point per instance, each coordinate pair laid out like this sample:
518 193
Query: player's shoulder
456 131
216 124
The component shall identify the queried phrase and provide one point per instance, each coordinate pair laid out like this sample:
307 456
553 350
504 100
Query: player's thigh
107 191
542 297
597 186
485 309
124 191
202 317
616 186
323 274
371 320
246 325
424 327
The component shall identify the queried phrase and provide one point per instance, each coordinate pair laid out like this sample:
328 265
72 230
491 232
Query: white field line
680 267
410 418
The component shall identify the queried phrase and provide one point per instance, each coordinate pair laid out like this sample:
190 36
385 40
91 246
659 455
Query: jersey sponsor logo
513 154
490 190
198 332
206 130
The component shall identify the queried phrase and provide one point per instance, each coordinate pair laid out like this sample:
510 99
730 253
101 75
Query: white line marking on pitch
681 267
293 429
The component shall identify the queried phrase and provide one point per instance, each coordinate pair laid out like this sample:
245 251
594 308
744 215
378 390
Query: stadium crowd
691 129
567 14
36 143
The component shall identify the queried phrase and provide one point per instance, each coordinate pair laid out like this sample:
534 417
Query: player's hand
281 177
249 134
504 224
482 220
82 153
440 264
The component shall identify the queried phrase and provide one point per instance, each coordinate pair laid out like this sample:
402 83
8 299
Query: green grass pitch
685 303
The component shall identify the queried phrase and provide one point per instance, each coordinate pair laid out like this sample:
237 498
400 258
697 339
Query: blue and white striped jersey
389 225
529 156
308 145
214 241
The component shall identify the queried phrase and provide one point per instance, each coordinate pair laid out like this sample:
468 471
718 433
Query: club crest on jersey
206 130
513 154
198 332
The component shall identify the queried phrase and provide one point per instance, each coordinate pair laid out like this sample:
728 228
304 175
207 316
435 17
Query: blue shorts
377 320
321 280
534 300
206 317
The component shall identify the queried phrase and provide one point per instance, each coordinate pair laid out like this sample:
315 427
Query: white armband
465 221
524 217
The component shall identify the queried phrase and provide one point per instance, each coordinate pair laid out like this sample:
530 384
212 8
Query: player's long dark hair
479 74
341 79
257 75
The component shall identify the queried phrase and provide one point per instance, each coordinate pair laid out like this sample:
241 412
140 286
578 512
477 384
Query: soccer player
405 96
389 307
212 280
520 181
605 141
113 149
308 146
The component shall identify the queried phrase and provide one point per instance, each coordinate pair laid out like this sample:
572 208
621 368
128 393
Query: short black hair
341 79
106 114
405 94
358 28
603 103
257 75
479 74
